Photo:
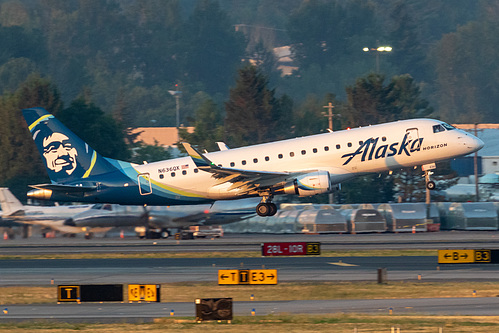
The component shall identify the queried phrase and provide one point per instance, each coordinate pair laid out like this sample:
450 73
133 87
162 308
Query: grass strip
208 254
188 292
338 323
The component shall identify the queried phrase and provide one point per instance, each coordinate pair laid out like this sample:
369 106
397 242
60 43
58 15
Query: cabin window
161 176
184 172
326 148
338 146
173 174
303 152
267 158
196 170
361 143
291 154
314 150
349 144
243 162
232 164
255 160
280 155
383 138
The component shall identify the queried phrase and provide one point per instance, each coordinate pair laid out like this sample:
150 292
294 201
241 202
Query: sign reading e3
144 292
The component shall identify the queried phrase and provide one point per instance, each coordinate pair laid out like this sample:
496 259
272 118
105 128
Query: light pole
378 50
176 94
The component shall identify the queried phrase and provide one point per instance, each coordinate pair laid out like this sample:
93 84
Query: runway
118 312
252 242
16 272
290 269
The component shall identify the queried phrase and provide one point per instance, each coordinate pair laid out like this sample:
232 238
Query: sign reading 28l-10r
291 249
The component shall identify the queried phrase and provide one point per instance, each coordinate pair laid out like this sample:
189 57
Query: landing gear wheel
273 209
266 209
263 209
165 234
430 185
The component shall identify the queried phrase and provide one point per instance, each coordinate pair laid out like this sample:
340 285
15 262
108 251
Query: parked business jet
158 221
303 166
52 217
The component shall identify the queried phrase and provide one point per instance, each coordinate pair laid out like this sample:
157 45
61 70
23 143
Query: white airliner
303 166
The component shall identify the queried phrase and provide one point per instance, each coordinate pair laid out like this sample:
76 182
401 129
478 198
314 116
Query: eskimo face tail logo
370 150
59 153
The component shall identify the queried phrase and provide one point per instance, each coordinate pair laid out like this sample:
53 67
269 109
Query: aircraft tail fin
9 203
67 157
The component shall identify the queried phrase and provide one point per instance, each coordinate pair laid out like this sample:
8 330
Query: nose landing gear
430 184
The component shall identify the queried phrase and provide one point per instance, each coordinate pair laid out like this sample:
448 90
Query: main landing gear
266 207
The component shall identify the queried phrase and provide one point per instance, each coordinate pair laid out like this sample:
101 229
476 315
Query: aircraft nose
475 143
480 144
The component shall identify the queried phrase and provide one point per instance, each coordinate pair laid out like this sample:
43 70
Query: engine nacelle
309 184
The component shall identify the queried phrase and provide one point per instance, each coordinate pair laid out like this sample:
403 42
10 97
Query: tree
99 130
149 153
408 54
370 101
156 39
263 58
14 72
19 43
20 163
211 48
465 64
253 114
309 117
323 32
208 127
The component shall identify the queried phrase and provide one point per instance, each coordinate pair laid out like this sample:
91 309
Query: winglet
199 159
222 146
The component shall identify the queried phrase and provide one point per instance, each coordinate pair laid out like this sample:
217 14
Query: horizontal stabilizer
64 188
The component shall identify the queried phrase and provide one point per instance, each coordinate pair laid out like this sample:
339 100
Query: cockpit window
438 128
448 127
107 207
97 206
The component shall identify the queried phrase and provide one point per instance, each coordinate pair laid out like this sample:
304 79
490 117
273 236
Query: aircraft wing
246 180
202 215
64 188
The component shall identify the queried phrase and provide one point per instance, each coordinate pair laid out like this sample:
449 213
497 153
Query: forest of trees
110 64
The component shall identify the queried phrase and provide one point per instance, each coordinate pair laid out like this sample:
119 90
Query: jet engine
312 183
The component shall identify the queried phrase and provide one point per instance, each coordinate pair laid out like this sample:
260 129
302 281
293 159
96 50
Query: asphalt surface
252 242
304 268
117 312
